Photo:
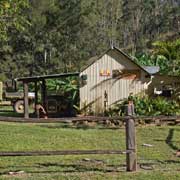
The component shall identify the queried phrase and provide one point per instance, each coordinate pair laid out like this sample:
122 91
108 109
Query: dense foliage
156 106
166 55
66 87
148 106
54 36
11 16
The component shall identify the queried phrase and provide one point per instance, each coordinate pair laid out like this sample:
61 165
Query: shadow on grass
84 127
154 164
9 113
169 139
83 167
14 114
172 161
68 168
6 111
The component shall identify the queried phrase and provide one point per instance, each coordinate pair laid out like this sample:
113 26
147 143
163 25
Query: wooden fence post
131 159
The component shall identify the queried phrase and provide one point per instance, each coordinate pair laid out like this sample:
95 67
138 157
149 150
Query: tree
53 36
11 16
171 53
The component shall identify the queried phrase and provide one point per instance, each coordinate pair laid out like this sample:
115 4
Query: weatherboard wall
92 93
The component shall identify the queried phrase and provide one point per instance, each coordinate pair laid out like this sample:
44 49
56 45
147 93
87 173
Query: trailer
10 96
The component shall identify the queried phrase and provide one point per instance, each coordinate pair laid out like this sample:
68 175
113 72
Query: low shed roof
39 78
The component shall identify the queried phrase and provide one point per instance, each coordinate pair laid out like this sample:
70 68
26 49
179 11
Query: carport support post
44 93
36 99
26 104
131 159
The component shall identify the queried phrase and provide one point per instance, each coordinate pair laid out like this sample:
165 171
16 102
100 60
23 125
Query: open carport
39 80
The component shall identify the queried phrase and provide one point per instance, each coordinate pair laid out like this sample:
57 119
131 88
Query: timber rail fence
145 119
130 152
130 123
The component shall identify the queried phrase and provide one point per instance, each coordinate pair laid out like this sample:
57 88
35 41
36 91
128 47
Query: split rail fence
130 152
130 124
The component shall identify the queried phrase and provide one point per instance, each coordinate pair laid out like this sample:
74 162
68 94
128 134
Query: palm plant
67 87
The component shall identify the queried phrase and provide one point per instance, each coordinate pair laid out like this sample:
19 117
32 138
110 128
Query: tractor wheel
19 106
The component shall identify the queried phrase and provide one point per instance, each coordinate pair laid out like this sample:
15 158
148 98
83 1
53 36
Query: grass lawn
9 111
156 162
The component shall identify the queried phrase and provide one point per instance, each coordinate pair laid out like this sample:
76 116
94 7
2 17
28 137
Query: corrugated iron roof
151 69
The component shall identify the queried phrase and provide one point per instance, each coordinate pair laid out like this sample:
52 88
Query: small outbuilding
51 104
113 76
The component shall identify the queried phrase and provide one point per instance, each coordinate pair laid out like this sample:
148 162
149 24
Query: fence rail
175 119
131 160
130 141
65 152
130 121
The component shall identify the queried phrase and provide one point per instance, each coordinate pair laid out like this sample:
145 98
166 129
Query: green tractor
10 96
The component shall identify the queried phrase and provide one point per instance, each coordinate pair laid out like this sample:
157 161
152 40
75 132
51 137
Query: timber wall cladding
100 80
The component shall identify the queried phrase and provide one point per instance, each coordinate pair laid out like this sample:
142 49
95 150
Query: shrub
148 106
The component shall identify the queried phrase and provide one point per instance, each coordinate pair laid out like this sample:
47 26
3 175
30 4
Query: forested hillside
54 36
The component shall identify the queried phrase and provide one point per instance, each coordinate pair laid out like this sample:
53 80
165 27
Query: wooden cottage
112 77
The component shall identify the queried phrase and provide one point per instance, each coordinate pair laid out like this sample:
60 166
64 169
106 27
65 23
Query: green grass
157 162
8 111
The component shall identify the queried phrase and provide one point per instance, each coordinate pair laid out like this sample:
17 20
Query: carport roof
51 76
